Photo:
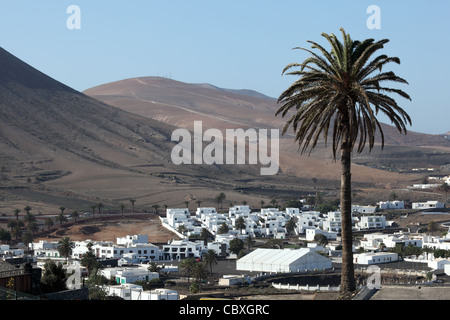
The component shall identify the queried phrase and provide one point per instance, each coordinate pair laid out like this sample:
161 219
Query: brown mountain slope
59 147
180 104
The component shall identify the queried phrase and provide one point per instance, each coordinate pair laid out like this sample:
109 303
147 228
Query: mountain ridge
61 147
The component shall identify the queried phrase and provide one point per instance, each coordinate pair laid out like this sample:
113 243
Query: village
240 247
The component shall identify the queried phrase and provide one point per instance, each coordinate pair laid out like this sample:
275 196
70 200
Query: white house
243 211
136 292
131 275
309 219
180 249
282 260
108 250
6 251
371 222
375 257
123 290
447 269
391 205
363 209
427 205
311 233
438 264
229 280
132 239
156 294
177 217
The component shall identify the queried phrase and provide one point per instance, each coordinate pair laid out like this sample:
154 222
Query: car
87 214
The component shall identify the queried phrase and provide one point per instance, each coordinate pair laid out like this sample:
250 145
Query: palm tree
27 209
339 89
220 198
155 208
48 222
65 246
29 218
93 206
75 215
444 188
16 213
210 258
132 200
199 273
122 207
99 207
205 234
239 224
33 227
188 266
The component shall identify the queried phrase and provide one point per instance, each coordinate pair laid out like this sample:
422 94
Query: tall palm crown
342 90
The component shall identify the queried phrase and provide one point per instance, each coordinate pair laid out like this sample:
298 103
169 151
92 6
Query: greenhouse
283 260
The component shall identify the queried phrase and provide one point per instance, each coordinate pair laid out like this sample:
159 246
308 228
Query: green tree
290 225
93 207
5 235
182 229
122 208
210 259
65 246
153 267
199 272
16 213
75 215
187 266
445 188
27 209
28 237
321 239
155 208
223 228
205 234
48 222
432 226
33 227
53 278
236 245
29 218
343 90
220 198
95 283
132 200
293 203
239 224
89 261
61 218
99 207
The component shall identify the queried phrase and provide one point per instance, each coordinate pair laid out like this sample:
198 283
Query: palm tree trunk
347 275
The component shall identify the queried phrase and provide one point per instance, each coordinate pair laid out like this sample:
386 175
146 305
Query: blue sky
232 44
